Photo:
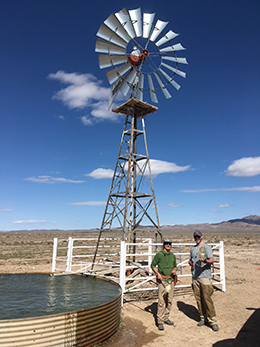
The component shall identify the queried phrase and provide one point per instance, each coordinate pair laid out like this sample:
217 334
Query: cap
167 241
197 233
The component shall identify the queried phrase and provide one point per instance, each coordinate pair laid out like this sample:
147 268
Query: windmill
141 59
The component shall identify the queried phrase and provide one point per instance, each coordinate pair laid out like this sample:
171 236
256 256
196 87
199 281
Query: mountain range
249 224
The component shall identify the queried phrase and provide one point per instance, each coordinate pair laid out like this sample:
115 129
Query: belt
170 277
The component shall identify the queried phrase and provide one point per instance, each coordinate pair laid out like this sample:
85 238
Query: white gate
129 264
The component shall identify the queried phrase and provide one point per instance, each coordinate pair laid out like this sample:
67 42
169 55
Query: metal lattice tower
131 193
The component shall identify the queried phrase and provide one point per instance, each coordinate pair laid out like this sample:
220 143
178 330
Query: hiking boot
201 323
160 326
215 327
169 322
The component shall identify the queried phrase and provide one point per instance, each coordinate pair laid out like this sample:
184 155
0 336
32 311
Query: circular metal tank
82 327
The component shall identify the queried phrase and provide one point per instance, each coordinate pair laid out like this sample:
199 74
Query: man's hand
191 263
159 277
208 261
174 272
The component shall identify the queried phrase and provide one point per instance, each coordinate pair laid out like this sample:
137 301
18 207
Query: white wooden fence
128 263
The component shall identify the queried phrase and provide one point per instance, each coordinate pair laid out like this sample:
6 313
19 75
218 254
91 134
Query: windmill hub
136 60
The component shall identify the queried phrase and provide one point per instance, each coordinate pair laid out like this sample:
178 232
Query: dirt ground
238 309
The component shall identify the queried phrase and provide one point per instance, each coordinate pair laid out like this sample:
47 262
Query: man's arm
174 266
191 263
154 267
208 261
157 274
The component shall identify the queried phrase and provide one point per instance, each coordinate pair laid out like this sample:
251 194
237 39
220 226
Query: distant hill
249 220
246 224
249 224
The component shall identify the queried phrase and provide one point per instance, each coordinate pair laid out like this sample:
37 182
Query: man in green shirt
164 266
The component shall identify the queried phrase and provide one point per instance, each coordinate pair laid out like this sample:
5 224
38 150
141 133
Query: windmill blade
112 75
128 82
113 23
147 24
174 48
178 72
159 26
110 60
140 86
176 59
103 46
125 21
164 90
152 91
113 93
107 34
175 84
136 17
167 37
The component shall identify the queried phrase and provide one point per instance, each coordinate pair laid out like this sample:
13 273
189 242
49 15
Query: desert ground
238 309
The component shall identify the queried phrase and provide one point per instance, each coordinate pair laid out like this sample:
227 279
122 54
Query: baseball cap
197 233
167 241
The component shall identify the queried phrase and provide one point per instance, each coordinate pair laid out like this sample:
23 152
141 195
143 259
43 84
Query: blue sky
56 133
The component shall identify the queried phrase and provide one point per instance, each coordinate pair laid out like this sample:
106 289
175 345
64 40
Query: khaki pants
203 291
164 302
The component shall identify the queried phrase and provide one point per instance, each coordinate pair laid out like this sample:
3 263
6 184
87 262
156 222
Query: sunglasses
168 243
197 237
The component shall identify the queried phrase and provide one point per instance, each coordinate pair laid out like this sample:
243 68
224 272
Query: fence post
54 254
69 254
150 250
122 267
222 266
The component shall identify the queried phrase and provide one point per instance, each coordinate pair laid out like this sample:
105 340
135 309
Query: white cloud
242 189
157 167
86 120
199 190
87 203
101 173
24 221
84 91
160 166
224 206
175 206
51 180
4 210
244 167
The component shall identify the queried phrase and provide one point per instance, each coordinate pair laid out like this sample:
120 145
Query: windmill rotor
139 54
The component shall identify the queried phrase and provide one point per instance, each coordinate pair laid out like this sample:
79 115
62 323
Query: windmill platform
139 108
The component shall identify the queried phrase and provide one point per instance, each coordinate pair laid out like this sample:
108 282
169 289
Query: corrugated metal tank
85 327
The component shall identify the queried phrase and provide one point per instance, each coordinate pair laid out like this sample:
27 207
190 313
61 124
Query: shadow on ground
248 335
189 310
153 310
